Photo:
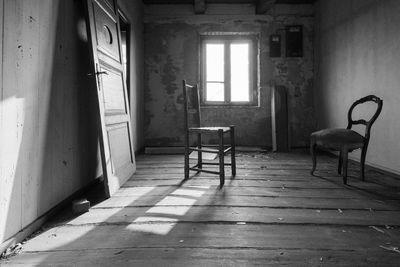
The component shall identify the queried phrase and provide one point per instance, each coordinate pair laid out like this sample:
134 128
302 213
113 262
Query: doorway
124 27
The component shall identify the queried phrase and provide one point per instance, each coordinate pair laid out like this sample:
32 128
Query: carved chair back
368 124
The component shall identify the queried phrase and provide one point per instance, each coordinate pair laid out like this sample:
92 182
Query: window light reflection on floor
177 205
189 193
153 225
178 211
173 206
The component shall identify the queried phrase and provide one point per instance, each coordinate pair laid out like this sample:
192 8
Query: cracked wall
172 54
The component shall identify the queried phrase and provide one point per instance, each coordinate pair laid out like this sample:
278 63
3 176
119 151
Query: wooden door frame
122 14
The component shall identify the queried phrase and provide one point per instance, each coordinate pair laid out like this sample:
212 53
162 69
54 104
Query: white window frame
227 39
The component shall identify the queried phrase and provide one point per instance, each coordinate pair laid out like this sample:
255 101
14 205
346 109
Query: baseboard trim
36 224
379 168
180 150
368 165
164 150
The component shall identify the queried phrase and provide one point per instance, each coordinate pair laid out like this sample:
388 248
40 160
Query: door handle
97 73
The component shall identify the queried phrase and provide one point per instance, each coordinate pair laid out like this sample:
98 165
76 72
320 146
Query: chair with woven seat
191 105
346 140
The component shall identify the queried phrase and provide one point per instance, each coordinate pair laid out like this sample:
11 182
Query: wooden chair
191 104
346 140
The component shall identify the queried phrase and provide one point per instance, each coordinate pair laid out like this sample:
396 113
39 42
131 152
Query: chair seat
335 138
209 129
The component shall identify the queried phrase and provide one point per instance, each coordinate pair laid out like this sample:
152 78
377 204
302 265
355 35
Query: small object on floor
11 251
80 206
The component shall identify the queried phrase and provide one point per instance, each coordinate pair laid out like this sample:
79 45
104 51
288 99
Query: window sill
230 106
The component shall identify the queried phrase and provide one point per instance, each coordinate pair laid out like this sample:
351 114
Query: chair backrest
368 124
191 105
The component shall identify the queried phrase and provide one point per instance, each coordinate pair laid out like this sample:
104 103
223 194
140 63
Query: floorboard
272 213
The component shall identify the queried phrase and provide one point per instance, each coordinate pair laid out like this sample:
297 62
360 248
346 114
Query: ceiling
227 1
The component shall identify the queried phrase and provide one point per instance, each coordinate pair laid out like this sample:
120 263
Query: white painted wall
357 53
134 12
43 158
48 134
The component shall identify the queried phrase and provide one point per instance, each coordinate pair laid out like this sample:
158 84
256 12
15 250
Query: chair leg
344 153
362 162
221 158
233 150
199 153
313 147
340 161
186 167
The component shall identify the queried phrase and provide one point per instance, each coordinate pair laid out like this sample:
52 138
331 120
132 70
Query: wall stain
31 19
169 106
297 91
168 76
172 54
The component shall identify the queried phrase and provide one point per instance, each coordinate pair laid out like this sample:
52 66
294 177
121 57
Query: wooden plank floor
273 213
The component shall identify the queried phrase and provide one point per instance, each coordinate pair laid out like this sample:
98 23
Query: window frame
227 40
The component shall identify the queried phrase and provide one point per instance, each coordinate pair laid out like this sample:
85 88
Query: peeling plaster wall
357 54
172 54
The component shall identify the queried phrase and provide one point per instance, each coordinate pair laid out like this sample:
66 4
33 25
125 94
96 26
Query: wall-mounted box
275 45
294 41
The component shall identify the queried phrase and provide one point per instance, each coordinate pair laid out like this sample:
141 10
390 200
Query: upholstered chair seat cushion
335 138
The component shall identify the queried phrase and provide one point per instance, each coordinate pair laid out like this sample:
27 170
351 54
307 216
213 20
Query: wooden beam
199 6
263 6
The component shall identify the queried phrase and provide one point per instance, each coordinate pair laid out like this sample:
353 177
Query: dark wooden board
250 215
212 235
272 213
212 257
254 201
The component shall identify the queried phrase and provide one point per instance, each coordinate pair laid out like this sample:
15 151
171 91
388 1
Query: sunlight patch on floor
134 191
176 201
188 192
177 205
153 225
134 194
177 211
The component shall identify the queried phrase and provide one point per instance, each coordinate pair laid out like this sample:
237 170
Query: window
229 69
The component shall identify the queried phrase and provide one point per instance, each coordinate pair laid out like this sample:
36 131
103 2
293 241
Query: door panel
113 91
119 147
107 32
118 159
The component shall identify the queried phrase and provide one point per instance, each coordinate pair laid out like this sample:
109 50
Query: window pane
240 83
215 62
215 91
